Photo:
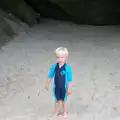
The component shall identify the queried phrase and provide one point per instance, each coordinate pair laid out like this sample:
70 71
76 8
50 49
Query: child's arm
69 81
69 88
47 83
70 85
50 76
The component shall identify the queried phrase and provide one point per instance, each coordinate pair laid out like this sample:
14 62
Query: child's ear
66 57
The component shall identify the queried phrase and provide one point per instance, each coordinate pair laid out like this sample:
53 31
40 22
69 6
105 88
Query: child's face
61 58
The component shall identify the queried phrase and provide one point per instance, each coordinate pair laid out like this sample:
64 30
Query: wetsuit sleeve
51 72
70 75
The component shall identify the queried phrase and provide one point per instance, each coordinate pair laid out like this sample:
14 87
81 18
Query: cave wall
20 9
97 12
92 11
49 9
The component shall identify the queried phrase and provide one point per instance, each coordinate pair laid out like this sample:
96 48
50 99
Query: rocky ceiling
95 12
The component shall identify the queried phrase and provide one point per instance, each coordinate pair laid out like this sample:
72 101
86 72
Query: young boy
62 74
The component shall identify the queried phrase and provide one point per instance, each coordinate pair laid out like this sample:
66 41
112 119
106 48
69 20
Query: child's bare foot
64 115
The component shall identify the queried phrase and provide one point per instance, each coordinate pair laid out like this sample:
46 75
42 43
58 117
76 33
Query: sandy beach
95 60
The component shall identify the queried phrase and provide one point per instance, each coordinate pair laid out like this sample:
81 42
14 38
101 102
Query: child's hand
47 87
69 91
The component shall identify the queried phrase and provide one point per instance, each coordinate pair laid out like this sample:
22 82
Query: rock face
92 11
80 11
95 12
20 9
49 9
5 28
10 26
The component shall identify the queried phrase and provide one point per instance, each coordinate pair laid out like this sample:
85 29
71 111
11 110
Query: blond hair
62 50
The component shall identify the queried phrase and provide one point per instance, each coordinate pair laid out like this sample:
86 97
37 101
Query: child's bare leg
64 108
57 104
56 110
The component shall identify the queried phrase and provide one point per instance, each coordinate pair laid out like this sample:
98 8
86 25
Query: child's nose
59 59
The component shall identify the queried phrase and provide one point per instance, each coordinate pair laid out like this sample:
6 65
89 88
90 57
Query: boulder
92 11
95 12
49 9
10 26
5 28
21 10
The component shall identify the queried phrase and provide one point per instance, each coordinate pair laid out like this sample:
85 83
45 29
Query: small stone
28 97
111 73
38 93
114 108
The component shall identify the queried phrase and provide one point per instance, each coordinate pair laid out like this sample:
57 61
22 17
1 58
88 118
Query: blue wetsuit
62 76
